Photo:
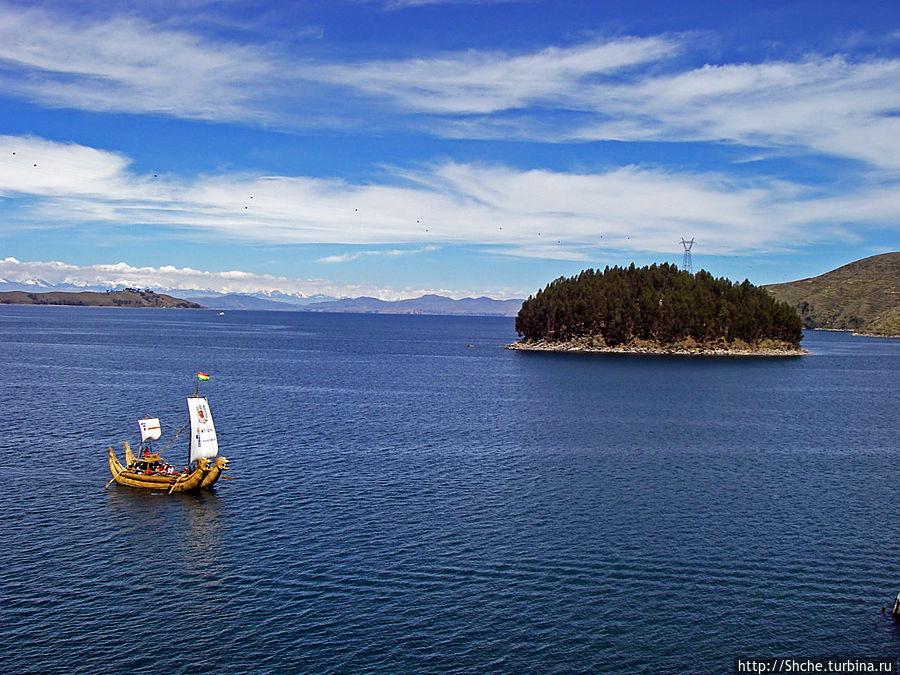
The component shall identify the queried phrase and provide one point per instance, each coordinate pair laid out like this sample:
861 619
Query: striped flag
202 376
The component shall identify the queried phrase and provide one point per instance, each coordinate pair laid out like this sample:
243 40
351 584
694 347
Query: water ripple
403 503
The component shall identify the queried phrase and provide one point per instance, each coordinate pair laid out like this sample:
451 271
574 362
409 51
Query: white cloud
623 88
126 64
35 166
486 82
392 253
829 105
536 213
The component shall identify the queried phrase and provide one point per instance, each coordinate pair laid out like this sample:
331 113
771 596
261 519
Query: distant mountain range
37 285
427 304
238 301
37 291
863 296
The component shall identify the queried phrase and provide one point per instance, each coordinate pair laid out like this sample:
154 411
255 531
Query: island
130 297
657 309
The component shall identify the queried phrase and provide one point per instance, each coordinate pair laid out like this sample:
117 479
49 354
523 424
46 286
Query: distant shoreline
129 298
656 349
855 333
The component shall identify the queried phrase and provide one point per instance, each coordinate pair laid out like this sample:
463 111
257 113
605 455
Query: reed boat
150 471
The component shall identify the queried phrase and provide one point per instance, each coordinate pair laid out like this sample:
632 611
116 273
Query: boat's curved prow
129 455
215 471
115 467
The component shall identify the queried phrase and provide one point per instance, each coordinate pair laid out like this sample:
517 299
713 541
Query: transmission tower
686 264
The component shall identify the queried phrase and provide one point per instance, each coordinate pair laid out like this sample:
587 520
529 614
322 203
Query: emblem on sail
204 443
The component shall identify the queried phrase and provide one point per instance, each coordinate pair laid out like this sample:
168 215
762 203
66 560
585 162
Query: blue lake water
406 503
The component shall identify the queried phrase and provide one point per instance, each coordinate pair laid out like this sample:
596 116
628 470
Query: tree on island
658 304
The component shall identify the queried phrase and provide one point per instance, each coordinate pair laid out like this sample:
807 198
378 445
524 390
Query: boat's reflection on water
184 529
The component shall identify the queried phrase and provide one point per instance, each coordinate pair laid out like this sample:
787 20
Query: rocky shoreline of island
765 348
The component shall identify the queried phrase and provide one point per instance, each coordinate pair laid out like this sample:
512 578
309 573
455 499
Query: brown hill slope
127 298
863 296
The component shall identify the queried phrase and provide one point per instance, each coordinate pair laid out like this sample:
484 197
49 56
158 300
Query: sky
464 147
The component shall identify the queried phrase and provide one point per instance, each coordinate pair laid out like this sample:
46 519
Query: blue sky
397 147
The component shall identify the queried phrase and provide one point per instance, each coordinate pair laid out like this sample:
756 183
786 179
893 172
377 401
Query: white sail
149 429
203 432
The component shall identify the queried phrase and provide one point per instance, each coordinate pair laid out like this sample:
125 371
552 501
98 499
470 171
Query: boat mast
196 394
187 466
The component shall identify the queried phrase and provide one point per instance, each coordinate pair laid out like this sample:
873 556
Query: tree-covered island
657 309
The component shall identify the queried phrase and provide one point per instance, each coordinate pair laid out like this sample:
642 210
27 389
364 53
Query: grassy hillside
863 296
126 298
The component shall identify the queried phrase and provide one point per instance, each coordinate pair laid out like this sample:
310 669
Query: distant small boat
150 471
221 313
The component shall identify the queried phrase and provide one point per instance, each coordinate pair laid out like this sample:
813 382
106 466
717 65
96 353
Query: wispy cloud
392 253
126 64
830 105
527 213
487 82
622 88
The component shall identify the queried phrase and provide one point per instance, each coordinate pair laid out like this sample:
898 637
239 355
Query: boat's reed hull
201 477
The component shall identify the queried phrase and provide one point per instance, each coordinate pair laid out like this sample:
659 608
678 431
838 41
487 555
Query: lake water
409 497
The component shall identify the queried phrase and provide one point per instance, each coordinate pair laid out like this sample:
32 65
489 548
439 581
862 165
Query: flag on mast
202 376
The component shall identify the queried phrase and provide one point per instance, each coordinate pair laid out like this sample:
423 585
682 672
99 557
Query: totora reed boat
150 471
